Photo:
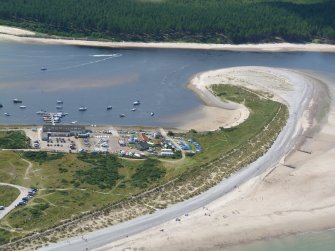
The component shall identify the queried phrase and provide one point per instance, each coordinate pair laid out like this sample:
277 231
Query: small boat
109 107
7 114
23 106
1 105
40 112
137 102
59 102
59 107
152 114
17 101
43 68
74 122
122 115
82 108
134 109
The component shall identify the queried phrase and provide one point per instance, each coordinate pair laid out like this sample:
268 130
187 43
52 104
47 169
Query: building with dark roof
142 145
62 131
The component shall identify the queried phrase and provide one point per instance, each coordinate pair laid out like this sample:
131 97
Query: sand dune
296 195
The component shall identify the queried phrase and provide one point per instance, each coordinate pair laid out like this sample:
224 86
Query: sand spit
296 195
20 35
215 113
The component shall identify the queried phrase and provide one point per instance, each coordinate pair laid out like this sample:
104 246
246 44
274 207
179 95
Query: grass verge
8 195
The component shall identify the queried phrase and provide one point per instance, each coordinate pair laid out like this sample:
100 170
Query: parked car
2 208
21 203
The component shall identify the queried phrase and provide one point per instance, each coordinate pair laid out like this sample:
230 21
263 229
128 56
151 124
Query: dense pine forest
210 21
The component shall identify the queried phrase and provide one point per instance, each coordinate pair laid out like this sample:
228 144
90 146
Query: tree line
215 21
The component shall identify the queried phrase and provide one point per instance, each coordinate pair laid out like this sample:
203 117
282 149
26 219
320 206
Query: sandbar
294 196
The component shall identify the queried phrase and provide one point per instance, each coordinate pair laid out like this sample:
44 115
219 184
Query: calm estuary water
96 78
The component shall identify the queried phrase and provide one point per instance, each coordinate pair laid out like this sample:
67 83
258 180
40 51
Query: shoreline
194 231
265 184
24 36
250 212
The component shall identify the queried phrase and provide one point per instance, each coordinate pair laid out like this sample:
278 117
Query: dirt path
30 165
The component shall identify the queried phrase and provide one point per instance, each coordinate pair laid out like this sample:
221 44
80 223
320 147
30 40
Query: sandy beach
24 36
215 113
296 195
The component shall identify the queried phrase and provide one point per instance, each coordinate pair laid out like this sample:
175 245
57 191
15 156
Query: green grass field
72 184
13 140
8 195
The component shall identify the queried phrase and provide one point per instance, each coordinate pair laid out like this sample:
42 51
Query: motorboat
59 102
82 108
109 107
17 101
152 114
43 68
122 115
1 105
137 102
74 122
23 106
59 107
134 109
7 114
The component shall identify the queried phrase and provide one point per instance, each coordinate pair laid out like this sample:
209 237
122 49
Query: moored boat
122 115
109 107
137 102
134 109
82 108
23 106
40 112
17 101
152 114
7 114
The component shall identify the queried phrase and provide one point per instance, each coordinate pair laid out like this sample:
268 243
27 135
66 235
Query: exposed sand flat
283 200
215 113
208 118
15 31
14 34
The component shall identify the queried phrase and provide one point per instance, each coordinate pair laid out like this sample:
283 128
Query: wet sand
296 195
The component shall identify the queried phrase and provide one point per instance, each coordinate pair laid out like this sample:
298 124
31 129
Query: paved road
283 144
23 192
